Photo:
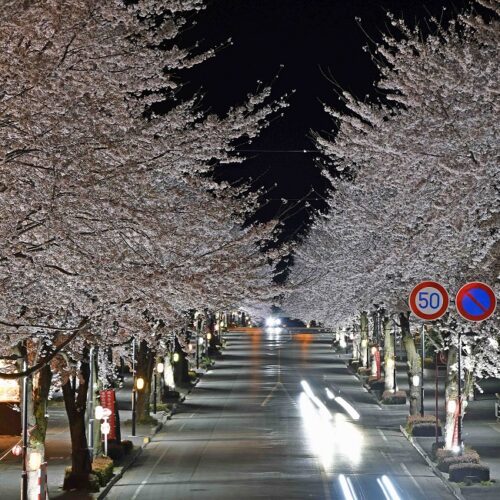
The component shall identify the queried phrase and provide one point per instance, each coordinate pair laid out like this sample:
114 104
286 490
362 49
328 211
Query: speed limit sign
429 300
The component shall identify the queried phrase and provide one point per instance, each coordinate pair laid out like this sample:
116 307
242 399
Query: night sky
309 39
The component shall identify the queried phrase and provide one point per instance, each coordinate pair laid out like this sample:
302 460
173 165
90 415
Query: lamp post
133 387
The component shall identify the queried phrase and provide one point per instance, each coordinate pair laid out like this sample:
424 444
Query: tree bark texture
451 395
37 422
389 359
414 362
75 401
364 338
181 368
145 366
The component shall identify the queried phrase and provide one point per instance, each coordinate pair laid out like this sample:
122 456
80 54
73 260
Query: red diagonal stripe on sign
478 304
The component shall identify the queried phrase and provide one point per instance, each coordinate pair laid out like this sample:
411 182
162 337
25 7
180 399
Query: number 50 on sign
429 300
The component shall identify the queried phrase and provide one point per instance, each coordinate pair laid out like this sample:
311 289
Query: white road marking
138 490
382 434
495 427
414 481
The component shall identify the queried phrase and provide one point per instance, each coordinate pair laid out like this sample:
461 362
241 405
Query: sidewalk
481 431
58 446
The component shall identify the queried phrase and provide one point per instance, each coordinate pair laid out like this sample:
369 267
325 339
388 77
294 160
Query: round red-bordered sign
429 300
475 301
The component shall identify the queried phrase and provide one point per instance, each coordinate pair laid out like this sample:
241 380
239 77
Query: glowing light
140 383
388 488
348 408
347 488
35 460
329 393
160 367
200 341
98 411
415 380
451 406
176 357
209 336
307 388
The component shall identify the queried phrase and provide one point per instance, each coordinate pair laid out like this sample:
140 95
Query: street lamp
140 384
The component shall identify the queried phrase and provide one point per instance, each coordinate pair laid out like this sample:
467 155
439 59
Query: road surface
261 424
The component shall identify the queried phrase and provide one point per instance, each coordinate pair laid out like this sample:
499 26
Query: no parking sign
429 300
476 301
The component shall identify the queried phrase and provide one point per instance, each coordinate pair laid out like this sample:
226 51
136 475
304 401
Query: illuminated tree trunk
145 365
389 359
414 362
181 367
75 401
364 338
37 422
451 398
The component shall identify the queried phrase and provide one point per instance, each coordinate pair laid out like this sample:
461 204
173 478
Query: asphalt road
262 425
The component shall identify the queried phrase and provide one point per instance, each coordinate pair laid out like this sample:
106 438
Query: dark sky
309 38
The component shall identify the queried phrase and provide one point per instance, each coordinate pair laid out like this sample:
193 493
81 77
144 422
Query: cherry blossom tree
418 194
105 213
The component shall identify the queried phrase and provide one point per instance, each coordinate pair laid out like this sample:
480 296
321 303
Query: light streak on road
388 488
347 407
347 488
342 402
328 437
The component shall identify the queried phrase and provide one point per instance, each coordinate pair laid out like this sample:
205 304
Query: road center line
382 434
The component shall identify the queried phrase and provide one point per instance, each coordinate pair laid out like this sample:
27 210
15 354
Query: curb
454 490
121 470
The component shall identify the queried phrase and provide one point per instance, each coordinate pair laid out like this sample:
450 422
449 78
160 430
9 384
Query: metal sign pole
24 484
422 373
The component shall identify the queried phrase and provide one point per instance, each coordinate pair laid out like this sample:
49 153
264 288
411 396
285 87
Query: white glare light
307 389
415 380
270 322
388 488
347 489
329 393
348 408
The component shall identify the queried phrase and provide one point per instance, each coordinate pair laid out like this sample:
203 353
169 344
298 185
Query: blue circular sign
476 301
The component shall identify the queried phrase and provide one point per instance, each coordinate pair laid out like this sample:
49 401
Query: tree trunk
451 395
181 368
75 401
389 359
37 422
414 362
145 365
364 338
